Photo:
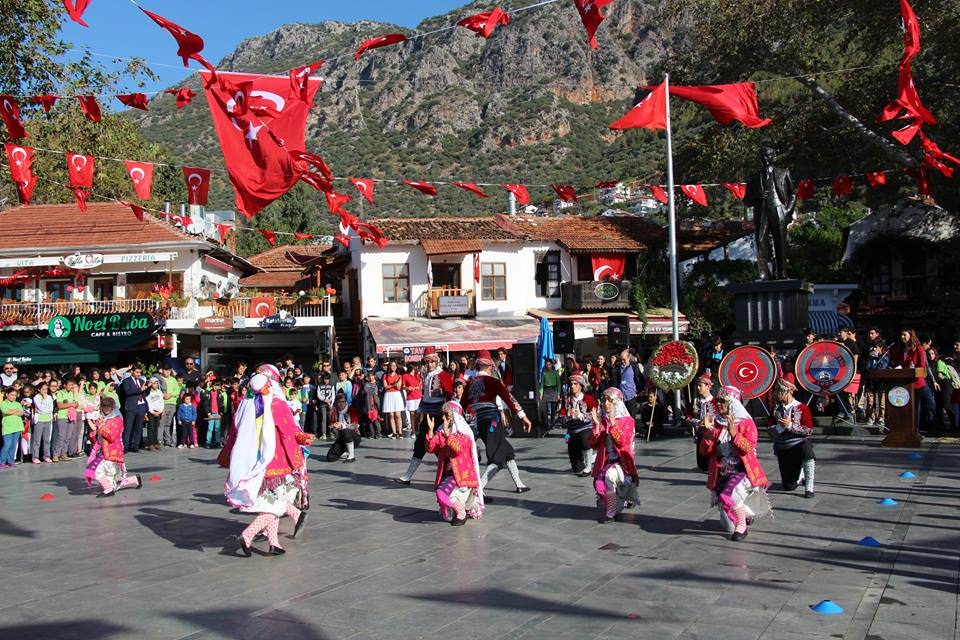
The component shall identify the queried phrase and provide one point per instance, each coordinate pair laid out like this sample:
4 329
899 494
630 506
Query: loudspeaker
618 331
523 361
563 341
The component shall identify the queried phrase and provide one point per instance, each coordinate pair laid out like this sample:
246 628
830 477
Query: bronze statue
773 197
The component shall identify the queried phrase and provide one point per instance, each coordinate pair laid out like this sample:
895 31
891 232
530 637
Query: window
584 268
446 275
102 289
493 280
12 293
396 283
57 290
548 275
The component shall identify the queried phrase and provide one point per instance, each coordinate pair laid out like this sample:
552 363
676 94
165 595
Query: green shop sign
108 325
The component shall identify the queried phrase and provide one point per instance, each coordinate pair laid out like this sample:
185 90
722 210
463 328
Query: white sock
590 457
488 474
514 473
349 451
411 469
809 472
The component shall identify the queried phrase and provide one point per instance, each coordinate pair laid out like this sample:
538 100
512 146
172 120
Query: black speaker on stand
523 359
618 332
563 341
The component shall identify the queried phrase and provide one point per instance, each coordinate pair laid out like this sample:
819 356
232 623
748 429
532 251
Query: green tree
815 246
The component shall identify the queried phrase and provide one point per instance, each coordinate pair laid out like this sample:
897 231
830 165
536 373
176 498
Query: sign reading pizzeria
107 325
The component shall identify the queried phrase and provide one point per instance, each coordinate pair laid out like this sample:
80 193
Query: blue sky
119 29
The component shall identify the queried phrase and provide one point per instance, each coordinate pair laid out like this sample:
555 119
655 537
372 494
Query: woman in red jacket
615 476
458 469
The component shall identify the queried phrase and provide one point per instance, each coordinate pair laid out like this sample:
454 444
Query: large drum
749 368
825 367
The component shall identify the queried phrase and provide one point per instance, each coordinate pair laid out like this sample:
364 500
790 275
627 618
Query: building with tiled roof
278 271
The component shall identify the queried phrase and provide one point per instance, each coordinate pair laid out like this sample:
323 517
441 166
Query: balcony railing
234 307
443 302
40 313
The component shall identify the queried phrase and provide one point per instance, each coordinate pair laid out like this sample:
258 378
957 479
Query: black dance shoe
247 551
738 536
523 489
276 551
300 522
456 522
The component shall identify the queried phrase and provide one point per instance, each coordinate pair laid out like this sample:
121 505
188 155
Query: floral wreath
673 365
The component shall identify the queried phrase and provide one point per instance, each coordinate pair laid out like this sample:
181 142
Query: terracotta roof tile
580 233
282 279
485 228
275 258
448 247
47 226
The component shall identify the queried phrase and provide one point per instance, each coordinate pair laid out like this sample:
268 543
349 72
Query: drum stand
848 417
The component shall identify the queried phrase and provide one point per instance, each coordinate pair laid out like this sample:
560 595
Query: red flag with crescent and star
10 112
300 76
737 189
565 192
608 266
134 100
380 41
649 113
725 102
303 236
75 9
520 192
422 187
483 24
135 208
190 44
198 184
90 108
20 160
47 101
80 169
658 192
270 237
695 192
183 96
263 149
141 175
81 197
472 188
335 202
591 17
364 186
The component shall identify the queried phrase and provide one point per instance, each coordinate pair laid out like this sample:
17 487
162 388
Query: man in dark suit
134 390
773 197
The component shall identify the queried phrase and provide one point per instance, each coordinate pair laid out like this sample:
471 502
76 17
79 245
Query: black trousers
791 461
577 445
133 429
153 425
493 432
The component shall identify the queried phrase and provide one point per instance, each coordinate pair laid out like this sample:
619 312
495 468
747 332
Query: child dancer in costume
579 406
615 476
736 481
267 466
791 426
458 470
105 465
433 395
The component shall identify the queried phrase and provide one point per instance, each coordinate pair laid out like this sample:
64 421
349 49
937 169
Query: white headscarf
619 408
253 449
736 410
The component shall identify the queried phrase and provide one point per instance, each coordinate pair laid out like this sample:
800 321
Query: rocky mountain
529 105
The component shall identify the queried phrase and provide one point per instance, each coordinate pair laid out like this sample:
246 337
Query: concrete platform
375 561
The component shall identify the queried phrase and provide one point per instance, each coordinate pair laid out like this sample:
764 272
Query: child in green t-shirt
11 426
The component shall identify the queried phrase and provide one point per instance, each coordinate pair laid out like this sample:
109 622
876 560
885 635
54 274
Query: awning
828 323
395 335
30 350
450 247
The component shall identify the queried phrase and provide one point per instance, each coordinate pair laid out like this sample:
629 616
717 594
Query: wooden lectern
899 402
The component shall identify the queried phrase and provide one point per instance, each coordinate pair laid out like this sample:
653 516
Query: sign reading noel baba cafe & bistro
108 325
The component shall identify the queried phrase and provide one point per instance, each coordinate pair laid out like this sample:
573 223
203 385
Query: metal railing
40 313
242 307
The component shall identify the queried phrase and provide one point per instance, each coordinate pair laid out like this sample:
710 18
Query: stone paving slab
375 561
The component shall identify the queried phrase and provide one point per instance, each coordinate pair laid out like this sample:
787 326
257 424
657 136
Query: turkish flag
650 113
141 175
591 17
317 181
911 33
476 268
520 192
608 266
238 104
299 79
737 189
260 148
190 43
10 112
198 184
472 188
224 231
422 187
908 100
906 134
335 202
315 161
695 192
47 101
270 236
80 168
842 186
726 102
483 24
303 236
20 160
934 149
137 209
607 184
81 197
90 108
134 100
364 186
261 307
376 43
876 178
75 9
658 193
566 192
367 231
805 189
182 95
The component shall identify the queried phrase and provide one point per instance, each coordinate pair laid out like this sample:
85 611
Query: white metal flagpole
672 233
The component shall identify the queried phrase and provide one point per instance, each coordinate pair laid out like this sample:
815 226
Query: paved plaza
374 560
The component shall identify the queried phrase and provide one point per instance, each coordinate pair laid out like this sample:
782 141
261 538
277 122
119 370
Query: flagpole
672 239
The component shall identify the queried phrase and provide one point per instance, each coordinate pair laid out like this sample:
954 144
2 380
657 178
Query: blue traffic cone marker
828 607
915 456
908 474
888 502
869 541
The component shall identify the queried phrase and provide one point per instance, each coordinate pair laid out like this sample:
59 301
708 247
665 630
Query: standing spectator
213 403
90 405
42 424
599 379
716 355
191 374
652 415
11 426
909 355
67 404
134 409
325 395
369 405
549 391
154 413
344 386
308 404
943 385
629 379
187 420
240 373
26 401
8 376
393 404
413 392
876 359
849 340
171 392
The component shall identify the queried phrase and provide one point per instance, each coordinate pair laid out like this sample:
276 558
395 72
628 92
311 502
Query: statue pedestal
770 312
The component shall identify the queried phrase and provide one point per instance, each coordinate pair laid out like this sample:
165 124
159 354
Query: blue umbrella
544 345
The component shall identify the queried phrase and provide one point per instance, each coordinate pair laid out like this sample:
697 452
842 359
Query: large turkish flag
256 144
